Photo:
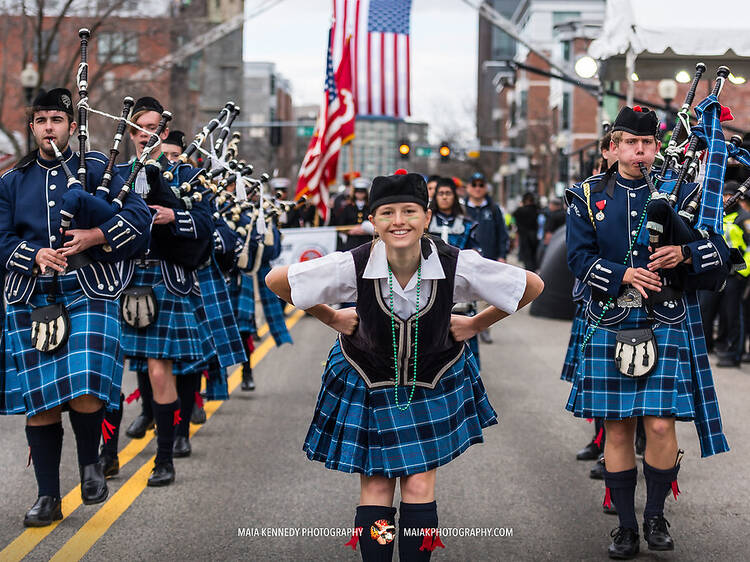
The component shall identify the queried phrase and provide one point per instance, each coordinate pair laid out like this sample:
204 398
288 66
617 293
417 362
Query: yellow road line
80 543
27 541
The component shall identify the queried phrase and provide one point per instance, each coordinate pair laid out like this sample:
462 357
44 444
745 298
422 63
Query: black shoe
198 415
247 380
181 447
110 464
656 533
625 543
138 428
597 472
43 512
590 452
727 361
93 484
161 475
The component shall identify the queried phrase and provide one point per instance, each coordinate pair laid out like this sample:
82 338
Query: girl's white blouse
332 279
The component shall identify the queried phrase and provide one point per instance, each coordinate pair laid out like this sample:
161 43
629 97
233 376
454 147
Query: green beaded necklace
393 337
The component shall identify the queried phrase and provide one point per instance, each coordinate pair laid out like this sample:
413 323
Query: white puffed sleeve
478 278
330 279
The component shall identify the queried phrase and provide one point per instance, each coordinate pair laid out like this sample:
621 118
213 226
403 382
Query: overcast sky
443 54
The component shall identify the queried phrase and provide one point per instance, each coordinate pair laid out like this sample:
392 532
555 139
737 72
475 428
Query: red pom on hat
638 108
400 172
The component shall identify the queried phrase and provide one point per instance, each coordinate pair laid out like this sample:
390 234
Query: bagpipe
702 212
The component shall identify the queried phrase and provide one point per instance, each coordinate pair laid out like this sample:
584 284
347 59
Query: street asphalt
248 476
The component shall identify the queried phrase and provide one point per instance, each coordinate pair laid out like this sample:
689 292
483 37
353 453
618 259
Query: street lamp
29 81
667 91
586 67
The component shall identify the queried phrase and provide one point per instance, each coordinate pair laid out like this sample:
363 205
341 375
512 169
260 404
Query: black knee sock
658 485
45 442
416 525
186 394
111 430
621 487
164 414
88 432
375 517
147 394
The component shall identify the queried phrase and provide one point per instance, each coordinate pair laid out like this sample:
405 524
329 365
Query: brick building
127 37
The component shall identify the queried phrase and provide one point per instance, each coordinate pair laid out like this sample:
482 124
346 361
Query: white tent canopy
666 36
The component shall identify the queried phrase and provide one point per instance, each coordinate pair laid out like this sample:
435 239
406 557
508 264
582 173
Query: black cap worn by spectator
401 187
57 99
637 120
477 176
147 103
176 138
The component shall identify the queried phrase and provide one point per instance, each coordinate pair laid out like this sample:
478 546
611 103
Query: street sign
423 151
305 131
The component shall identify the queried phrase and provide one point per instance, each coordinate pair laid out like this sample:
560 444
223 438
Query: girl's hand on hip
463 327
345 321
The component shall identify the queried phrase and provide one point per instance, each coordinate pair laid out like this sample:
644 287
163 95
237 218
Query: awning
670 35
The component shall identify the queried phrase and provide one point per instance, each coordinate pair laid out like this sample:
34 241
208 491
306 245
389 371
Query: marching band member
162 286
62 324
643 353
400 362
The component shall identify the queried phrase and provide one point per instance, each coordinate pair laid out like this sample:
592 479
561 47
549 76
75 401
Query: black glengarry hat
57 99
176 138
637 120
147 103
402 187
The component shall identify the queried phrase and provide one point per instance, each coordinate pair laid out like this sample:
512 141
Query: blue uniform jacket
599 234
193 224
30 199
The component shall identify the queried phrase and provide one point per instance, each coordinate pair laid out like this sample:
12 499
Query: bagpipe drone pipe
699 216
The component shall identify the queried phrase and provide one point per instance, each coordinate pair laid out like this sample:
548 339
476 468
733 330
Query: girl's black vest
370 348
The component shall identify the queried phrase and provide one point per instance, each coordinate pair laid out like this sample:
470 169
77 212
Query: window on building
117 47
524 109
54 49
565 112
273 84
566 50
561 17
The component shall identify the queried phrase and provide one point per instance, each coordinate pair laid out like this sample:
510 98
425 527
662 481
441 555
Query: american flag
334 128
381 65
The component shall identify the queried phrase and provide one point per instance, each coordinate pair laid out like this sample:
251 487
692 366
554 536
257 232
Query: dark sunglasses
479 184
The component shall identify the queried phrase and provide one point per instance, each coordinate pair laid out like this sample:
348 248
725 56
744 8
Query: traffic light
404 149
445 152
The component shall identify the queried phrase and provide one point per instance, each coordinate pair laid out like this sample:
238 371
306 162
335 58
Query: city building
129 43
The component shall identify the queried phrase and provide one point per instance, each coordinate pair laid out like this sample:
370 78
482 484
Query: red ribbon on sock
205 374
135 395
590 420
607 499
250 344
431 540
198 399
177 418
599 437
355 537
108 430
675 489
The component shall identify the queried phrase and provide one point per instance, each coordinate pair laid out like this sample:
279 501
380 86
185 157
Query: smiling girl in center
401 393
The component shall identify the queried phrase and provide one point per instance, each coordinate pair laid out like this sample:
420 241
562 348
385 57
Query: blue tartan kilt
90 363
601 391
174 334
243 302
217 386
577 333
356 429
